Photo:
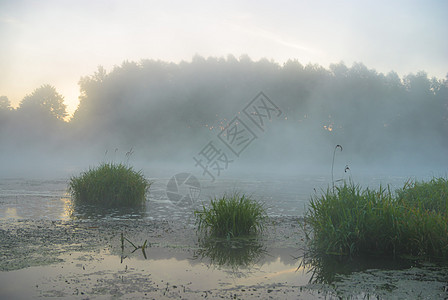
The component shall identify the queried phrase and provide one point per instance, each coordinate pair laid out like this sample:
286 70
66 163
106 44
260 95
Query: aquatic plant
111 185
354 221
432 195
425 222
332 163
231 216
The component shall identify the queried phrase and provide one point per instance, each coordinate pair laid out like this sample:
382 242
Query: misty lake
288 196
66 253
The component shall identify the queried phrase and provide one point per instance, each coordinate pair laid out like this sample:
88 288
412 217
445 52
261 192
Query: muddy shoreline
71 259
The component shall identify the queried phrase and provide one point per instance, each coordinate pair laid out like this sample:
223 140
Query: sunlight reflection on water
170 270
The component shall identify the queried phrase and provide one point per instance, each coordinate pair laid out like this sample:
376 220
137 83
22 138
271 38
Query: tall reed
350 220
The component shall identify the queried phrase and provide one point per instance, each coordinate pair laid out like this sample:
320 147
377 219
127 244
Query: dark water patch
97 212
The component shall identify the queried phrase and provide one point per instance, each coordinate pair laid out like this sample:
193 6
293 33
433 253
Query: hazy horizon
173 81
229 117
58 42
71 108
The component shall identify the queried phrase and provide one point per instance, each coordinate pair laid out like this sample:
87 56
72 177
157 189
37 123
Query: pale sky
57 41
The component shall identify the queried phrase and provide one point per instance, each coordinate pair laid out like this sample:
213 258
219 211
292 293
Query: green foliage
110 185
231 216
352 221
426 217
430 195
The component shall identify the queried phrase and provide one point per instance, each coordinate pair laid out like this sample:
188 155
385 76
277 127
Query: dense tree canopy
170 110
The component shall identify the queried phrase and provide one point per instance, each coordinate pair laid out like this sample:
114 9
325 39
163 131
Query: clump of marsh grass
231 216
342 220
110 185
425 221
350 220
432 195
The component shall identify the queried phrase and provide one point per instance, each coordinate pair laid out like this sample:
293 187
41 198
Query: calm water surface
287 196
196 272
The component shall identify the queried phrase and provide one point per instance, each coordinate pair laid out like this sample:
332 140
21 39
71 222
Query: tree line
163 109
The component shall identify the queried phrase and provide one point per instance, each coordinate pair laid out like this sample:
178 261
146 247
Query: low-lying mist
208 117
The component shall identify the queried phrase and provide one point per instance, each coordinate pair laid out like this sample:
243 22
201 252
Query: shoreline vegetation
109 185
345 220
351 221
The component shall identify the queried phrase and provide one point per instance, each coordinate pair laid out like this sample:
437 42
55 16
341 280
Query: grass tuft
110 185
355 221
231 216
432 195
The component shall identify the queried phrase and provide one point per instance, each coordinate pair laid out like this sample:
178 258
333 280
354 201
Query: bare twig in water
143 247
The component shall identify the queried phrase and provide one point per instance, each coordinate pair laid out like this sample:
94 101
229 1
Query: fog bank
164 116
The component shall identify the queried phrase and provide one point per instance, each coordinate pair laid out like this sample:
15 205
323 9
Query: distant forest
167 112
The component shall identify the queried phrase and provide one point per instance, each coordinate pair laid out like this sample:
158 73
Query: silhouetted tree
6 112
5 104
44 100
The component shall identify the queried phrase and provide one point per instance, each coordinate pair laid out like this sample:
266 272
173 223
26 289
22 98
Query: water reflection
236 254
327 269
11 213
167 273
88 211
67 210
